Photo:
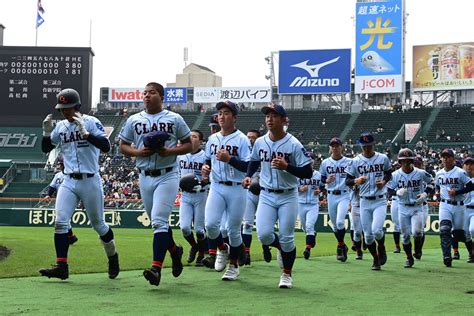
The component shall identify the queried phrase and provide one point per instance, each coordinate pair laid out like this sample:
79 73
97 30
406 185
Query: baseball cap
366 139
447 152
231 105
275 108
468 160
335 141
213 119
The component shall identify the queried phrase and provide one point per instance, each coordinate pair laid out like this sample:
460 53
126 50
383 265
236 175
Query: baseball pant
159 194
191 211
308 214
281 207
426 209
356 225
249 215
338 206
411 221
452 213
395 216
469 223
372 217
90 191
230 200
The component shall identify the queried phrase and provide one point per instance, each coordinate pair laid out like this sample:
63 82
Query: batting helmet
188 182
254 186
406 154
68 98
156 139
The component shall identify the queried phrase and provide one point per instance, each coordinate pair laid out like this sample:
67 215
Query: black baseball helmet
68 98
406 154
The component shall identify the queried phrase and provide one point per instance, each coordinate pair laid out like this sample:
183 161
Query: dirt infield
4 252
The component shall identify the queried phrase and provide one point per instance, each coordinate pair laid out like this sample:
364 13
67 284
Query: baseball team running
239 180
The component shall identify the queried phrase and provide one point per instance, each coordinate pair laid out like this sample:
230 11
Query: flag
39 15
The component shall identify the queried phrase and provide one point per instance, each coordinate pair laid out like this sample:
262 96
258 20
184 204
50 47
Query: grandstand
452 121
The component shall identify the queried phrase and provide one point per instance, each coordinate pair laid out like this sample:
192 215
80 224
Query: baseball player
53 189
418 163
454 241
282 160
81 138
356 226
412 186
468 166
452 183
193 199
395 217
371 170
308 208
156 160
251 205
210 260
227 155
333 173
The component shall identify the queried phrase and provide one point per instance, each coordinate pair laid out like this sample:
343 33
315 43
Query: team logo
99 126
313 71
63 99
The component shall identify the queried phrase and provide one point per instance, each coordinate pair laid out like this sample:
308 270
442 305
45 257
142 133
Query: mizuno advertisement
314 71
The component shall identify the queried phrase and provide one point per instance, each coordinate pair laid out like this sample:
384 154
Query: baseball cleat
382 256
339 255
177 265
192 253
114 268
397 250
376 265
286 282
60 271
448 261
410 262
344 253
359 255
153 276
267 254
307 253
232 273
209 261
221 258
456 255
247 259
72 239
353 247
418 255
471 259
279 259
199 260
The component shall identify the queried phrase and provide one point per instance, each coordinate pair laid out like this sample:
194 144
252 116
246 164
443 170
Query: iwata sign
314 71
130 95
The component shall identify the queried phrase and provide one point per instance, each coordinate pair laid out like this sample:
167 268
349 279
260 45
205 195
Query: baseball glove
189 183
254 186
155 140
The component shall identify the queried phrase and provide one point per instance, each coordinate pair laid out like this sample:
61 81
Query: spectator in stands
323 123
380 128
457 138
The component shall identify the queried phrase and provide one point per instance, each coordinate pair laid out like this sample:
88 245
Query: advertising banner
379 47
443 67
314 71
139 219
175 95
129 95
236 95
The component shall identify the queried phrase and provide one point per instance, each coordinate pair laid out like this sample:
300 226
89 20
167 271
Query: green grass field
322 285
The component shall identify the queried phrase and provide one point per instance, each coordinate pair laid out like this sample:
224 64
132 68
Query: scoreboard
31 77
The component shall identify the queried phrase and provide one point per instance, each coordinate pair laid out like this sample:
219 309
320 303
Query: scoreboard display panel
31 77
